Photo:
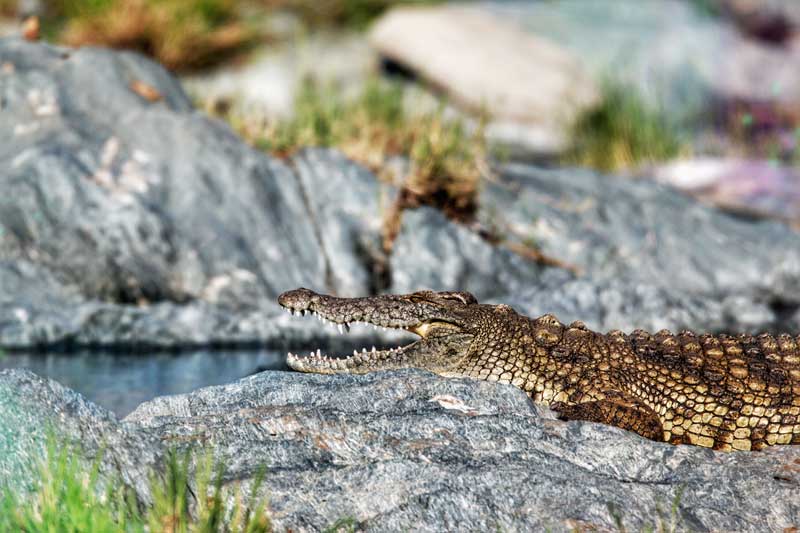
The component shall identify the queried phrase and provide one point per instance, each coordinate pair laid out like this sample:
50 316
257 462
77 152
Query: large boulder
127 221
408 450
489 64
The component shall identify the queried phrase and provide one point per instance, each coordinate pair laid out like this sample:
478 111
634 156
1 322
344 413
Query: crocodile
723 392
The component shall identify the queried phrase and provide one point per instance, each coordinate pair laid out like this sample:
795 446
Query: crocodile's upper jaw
436 317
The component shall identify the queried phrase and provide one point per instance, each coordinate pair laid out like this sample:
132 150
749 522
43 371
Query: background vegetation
189 34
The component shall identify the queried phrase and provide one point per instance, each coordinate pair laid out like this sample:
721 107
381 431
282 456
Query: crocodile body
723 392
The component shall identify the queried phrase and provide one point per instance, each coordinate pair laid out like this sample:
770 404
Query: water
121 381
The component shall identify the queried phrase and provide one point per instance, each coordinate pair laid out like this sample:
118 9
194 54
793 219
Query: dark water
119 381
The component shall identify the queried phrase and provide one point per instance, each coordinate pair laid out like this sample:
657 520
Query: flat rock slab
408 450
487 63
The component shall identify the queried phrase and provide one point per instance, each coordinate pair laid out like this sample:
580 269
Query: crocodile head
446 322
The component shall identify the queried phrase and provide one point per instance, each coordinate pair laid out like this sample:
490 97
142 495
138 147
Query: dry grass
445 160
181 34
190 34
8 8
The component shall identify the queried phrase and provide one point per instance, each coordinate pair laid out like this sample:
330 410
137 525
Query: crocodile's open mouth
342 313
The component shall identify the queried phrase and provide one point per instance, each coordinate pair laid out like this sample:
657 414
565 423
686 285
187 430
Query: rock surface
408 450
144 220
632 234
130 222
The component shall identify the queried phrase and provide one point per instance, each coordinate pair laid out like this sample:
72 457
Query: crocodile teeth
341 329
347 327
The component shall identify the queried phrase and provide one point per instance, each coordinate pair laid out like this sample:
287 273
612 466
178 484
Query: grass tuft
623 132
343 525
66 498
446 159
665 522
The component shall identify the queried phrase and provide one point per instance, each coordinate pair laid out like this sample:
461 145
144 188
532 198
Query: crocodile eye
463 297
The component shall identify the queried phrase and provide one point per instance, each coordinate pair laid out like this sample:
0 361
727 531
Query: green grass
446 159
623 132
343 525
66 498
711 8
665 522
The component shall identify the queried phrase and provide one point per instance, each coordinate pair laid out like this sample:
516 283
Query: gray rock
143 201
431 252
346 205
635 232
408 450
143 222
773 21
629 304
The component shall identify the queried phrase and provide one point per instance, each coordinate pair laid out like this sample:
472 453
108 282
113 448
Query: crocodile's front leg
617 410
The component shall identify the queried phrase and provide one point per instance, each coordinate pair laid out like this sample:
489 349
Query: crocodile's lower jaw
359 362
